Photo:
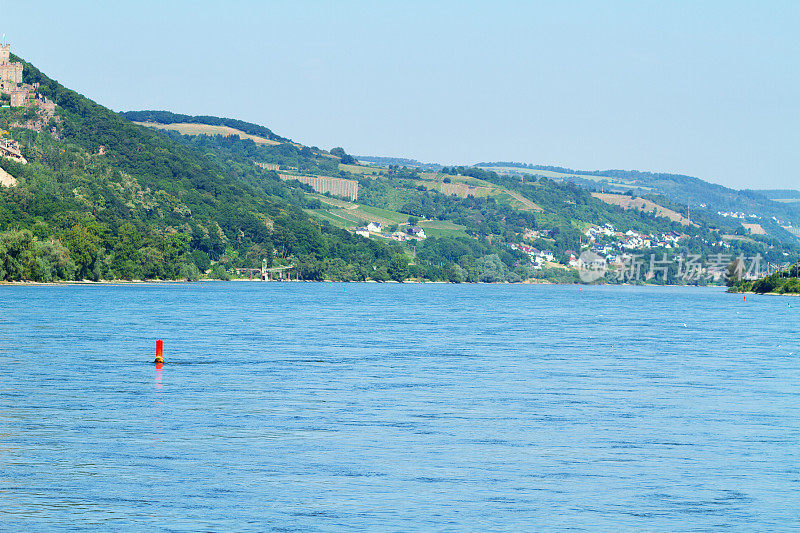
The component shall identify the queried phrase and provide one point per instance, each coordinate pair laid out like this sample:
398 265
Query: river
398 407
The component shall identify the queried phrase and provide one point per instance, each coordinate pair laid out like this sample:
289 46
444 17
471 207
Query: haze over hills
98 196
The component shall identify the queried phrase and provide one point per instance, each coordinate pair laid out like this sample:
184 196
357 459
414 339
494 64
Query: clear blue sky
710 89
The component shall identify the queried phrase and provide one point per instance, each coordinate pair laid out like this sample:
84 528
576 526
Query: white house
364 232
547 255
417 232
374 227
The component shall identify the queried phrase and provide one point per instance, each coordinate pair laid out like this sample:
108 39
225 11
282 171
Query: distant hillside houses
737 214
538 257
417 232
629 240
531 235
606 229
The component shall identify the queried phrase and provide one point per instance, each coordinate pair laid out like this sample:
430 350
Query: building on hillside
417 232
18 97
374 227
364 232
10 148
10 73
23 94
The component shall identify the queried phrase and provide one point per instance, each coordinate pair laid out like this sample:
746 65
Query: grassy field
361 169
560 176
442 228
343 204
349 215
205 129
740 238
754 229
392 216
439 177
337 221
629 202
483 189
362 212
545 173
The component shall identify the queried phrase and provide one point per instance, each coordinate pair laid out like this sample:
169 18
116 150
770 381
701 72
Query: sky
709 89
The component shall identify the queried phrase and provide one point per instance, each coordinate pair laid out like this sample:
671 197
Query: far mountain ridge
682 196
695 192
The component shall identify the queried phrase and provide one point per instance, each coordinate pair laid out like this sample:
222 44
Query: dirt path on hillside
640 204
7 179
527 203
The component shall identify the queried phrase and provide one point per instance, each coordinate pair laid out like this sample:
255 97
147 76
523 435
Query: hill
92 195
168 118
99 197
630 202
520 221
207 129
710 199
780 195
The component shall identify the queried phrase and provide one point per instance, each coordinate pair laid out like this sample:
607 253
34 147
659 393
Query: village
603 240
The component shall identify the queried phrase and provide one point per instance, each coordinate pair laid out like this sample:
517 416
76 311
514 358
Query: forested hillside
103 198
681 189
476 219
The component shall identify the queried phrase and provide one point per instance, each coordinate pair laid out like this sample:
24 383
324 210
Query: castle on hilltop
20 94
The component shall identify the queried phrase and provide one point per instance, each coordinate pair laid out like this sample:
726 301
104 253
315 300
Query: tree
398 268
341 154
454 273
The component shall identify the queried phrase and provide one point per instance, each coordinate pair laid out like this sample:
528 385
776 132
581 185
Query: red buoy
159 353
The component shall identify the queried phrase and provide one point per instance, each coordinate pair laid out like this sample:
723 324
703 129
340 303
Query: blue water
347 407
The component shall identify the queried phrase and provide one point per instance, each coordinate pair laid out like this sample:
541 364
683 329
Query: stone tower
9 72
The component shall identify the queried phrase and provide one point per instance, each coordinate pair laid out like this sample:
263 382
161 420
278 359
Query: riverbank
405 282
764 293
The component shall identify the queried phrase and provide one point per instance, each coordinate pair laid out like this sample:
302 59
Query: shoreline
765 293
407 282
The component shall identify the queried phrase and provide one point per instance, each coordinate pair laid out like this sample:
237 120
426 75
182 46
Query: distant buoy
159 353
745 297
